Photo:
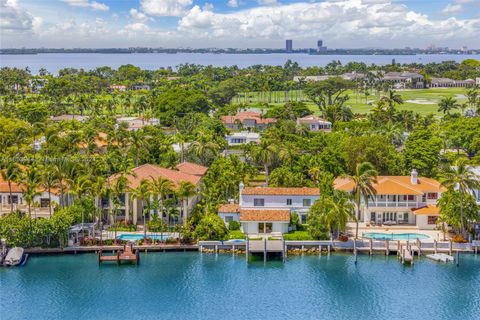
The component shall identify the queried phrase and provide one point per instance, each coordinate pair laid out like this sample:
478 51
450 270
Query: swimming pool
138 236
395 236
236 240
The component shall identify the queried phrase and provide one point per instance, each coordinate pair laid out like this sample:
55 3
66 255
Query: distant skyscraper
320 47
289 46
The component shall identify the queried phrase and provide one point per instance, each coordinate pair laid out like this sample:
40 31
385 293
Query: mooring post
247 247
435 246
450 249
371 246
264 250
386 248
458 258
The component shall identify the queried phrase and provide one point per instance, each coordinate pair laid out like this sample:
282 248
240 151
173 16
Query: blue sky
239 23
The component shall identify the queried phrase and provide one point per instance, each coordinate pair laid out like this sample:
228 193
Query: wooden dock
128 254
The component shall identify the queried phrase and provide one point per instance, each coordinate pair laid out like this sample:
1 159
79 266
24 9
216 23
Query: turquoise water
397 236
137 237
223 287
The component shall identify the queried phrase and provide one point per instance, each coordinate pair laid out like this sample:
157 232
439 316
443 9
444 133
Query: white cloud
139 16
14 18
377 22
94 5
452 8
172 8
267 2
232 3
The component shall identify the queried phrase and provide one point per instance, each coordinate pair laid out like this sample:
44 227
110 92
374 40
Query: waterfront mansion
265 209
408 200
399 200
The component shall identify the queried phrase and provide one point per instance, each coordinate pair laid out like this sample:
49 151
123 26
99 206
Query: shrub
234 225
298 235
458 238
171 241
122 226
211 227
236 234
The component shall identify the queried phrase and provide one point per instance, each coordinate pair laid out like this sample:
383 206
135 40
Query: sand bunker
421 101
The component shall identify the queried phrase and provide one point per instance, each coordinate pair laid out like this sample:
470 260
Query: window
13 199
432 196
372 216
44 202
258 202
228 219
432 219
289 202
303 219
307 202
405 216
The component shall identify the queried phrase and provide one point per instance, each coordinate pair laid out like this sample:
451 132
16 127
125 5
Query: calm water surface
151 61
195 286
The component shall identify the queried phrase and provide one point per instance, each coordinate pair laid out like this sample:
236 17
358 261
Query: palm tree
185 191
462 178
119 187
161 187
61 171
392 99
31 181
336 210
204 145
97 190
364 178
11 173
79 187
447 104
142 194
264 153
137 141
48 182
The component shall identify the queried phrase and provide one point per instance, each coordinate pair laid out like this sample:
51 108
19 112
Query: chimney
414 177
240 189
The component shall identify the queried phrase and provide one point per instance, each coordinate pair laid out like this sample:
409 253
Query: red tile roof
242 116
229 208
192 168
265 215
269 191
427 210
391 185
150 171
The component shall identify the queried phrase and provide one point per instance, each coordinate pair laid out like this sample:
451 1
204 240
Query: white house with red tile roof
247 120
400 200
262 210
184 172
41 207
314 123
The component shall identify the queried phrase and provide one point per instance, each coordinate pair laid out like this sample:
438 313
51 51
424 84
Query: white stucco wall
278 202
422 223
251 227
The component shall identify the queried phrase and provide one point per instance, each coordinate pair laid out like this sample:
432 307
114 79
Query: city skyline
238 23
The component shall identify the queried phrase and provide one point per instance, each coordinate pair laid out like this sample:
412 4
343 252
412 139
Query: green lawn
236 234
423 101
298 235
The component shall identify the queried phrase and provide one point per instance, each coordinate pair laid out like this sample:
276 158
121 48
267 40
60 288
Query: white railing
395 204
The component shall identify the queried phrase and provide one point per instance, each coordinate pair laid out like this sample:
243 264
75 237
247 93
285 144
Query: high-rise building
320 47
289 46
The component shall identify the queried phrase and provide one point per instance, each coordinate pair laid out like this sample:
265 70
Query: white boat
14 256
441 257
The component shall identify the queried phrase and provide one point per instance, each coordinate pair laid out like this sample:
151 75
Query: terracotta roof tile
150 171
242 116
390 185
192 168
229 208
265 215
427 210
281 191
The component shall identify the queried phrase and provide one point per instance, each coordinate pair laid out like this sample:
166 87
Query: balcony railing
396 204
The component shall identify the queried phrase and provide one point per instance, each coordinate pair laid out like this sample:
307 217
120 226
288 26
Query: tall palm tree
47 182
392 98
447 104
120 186
97 190
137 141
31 181
61 171
265 153
161 187
364 178
185 191
204 145
11 173
462 178
142 194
